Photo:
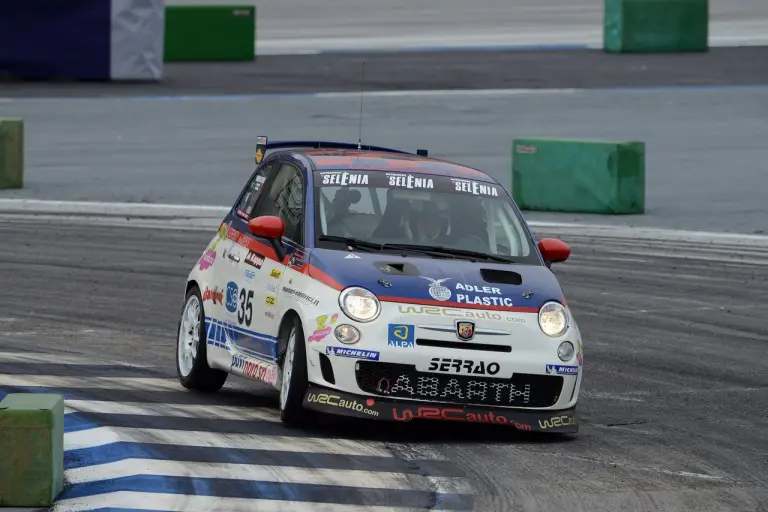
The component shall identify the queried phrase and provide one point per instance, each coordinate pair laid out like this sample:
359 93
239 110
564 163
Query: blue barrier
82 39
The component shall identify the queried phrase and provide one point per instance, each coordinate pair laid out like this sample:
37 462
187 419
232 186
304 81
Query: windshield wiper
352 242
438 249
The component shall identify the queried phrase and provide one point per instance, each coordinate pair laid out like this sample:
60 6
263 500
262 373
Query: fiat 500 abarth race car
375 283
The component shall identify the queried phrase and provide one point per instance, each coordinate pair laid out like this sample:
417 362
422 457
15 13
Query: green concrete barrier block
31 449
578 176
11 153
210 33
656 26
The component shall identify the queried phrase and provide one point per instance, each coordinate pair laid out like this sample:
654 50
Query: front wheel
191 350
293 375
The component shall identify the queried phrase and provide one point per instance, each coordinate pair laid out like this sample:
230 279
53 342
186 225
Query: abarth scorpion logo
465 331
436 290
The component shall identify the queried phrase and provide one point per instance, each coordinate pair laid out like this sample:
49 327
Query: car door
238 272
257 279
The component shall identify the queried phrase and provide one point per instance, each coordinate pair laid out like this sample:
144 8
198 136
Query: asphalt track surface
416 70
705 149
673 405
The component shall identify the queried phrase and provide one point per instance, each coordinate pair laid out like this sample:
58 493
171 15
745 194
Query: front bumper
332 401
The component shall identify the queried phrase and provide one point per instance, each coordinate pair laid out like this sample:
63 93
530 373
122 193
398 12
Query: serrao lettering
344 178
410 181
476 188
463 366
434 310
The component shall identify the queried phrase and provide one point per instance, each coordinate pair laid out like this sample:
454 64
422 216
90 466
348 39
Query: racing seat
339 220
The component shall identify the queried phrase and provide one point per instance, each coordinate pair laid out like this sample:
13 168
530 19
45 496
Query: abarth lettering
463 366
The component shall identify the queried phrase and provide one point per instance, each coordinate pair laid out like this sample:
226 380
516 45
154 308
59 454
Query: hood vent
397 269
501 276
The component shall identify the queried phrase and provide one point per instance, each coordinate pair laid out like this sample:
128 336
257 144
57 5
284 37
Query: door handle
233 257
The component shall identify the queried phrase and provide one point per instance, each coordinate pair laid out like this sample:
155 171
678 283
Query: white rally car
380 284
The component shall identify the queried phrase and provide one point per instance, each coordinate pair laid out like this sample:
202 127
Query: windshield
419 209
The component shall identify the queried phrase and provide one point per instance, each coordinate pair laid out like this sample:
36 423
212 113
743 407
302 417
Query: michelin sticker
355 353
558 369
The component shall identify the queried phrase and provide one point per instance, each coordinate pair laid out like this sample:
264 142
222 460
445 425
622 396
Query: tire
191 349
293 373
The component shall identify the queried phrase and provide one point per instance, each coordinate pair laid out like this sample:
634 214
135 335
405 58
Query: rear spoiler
262 145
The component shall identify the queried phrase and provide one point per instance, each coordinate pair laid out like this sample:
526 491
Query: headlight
359 304
553 319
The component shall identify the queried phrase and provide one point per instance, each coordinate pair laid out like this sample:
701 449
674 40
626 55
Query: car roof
364 160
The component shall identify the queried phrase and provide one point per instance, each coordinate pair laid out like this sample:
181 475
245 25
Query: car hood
440 282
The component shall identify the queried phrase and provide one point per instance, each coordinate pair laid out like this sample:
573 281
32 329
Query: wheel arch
282 333
191 284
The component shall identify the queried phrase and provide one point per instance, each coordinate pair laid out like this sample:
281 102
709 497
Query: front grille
463 345
403 381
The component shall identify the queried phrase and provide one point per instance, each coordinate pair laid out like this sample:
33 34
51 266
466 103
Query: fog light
349 334
564 351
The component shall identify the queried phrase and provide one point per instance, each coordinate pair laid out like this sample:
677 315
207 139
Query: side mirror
554 250
271 228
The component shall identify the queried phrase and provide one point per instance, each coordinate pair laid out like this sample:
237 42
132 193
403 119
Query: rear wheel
191 351
293 382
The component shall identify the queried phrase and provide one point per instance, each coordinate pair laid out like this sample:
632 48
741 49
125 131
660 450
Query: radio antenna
362 93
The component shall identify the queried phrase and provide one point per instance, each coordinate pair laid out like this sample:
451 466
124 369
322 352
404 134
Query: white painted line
173 410
446 93
47 358
253 472
134 383
101 436
186 503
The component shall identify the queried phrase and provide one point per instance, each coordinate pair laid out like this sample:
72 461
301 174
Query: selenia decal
475 187
409 181
344 178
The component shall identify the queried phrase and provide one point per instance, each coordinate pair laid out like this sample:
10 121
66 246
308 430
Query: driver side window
253 190
284 198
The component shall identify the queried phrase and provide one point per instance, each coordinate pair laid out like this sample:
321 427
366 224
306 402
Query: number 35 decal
245 308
